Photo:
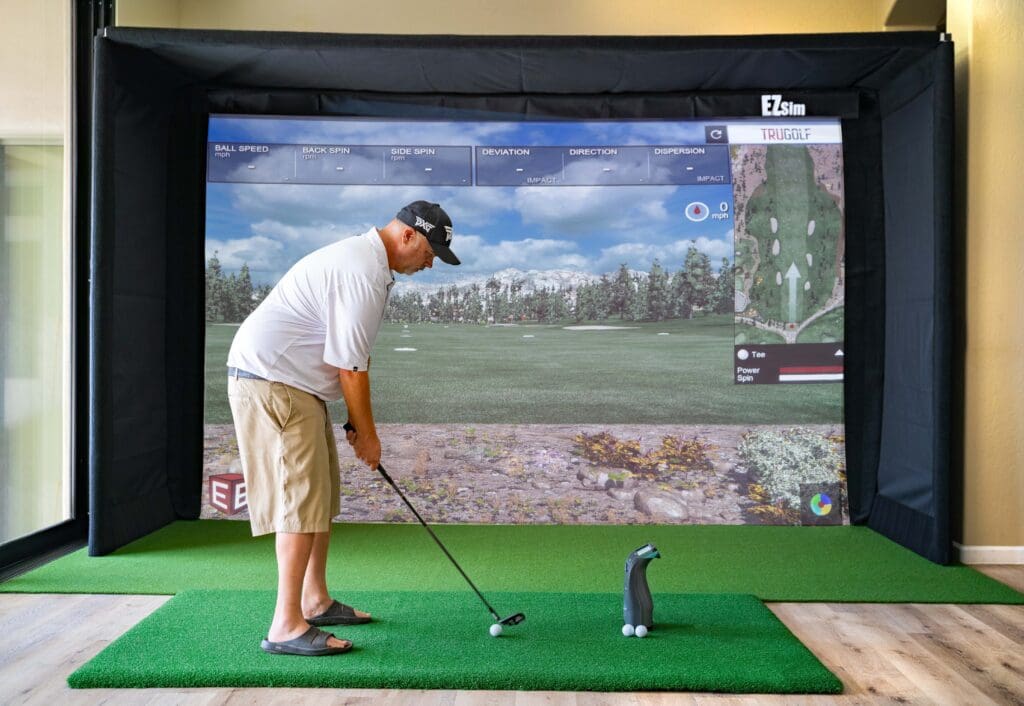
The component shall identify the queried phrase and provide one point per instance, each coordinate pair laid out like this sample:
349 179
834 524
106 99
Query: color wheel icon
821 504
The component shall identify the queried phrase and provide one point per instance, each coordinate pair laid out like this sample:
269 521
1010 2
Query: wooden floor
949 654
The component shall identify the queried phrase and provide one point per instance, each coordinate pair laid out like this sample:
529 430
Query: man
306 344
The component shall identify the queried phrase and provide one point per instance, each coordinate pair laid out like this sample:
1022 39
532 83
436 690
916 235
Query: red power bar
811 369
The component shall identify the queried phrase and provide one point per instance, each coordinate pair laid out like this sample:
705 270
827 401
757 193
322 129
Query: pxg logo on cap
431 220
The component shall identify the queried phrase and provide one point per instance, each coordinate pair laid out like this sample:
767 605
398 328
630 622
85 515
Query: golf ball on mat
495 629
641 630
627 630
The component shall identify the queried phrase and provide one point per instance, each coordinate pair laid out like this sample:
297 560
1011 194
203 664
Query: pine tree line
229 299
625 296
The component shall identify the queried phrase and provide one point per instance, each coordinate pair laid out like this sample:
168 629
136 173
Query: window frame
24 553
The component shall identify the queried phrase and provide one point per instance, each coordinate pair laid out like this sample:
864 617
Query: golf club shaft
380 469
384 473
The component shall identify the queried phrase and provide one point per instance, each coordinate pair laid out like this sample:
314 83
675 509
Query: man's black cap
431 220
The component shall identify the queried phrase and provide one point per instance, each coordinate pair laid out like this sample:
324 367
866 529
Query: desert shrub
674 454
782 460
771 513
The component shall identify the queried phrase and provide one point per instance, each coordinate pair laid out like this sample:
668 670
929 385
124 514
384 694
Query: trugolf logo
773 105
422 224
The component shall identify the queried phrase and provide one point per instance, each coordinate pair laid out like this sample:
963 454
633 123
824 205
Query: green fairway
753 336
546 374
798 228
827 329
418 640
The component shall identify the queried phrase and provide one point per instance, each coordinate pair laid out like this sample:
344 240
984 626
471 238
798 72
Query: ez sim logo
773 105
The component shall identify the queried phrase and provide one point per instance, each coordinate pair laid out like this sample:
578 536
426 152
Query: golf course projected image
580 365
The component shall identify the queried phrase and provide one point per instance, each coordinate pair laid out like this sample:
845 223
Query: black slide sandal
312 643
337 614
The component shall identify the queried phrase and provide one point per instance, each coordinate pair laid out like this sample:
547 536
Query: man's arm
355 386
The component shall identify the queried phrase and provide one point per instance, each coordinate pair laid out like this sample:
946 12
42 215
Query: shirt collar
381 253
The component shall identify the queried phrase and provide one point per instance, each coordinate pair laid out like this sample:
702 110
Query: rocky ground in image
531 474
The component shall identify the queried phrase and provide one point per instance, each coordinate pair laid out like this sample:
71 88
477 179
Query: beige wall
33 58
988 34
531 17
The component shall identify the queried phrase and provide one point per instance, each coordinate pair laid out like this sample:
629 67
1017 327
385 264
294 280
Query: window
35 392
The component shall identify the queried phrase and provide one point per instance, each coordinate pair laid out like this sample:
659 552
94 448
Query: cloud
647 132
294 204
474 208
325 131
640 255
261 253
311 237
578 210
367 131
480 257
715 249
305 204
527 254
587 228
273 247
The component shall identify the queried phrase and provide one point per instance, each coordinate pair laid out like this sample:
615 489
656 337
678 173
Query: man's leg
315 596
294 551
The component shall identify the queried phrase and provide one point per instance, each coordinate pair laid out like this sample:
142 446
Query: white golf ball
627 630
495 629
641 630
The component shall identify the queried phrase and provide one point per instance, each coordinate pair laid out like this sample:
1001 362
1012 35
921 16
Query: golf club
495 629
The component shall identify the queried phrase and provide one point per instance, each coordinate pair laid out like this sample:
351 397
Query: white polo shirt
323 315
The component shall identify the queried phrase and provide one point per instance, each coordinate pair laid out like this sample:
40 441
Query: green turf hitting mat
834 564
435 640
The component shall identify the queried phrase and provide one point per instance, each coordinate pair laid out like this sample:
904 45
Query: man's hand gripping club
355 386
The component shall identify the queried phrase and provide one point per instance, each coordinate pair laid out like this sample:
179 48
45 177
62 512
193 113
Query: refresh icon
716 134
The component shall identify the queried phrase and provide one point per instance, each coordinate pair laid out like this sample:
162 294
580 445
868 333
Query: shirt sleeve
353 314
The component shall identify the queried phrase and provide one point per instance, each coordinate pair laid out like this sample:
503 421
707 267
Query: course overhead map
788 209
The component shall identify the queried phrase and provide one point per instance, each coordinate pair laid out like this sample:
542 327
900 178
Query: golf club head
513 619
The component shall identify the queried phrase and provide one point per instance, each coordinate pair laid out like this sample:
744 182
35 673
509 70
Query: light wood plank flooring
920 654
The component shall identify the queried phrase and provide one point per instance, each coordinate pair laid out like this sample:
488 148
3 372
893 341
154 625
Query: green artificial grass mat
435 640
832 564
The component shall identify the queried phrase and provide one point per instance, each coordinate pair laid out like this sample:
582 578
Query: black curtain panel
156 88
912 478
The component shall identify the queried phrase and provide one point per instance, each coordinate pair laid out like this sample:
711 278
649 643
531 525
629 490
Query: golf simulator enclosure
870 271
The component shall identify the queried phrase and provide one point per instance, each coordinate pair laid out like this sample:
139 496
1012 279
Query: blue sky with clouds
585 228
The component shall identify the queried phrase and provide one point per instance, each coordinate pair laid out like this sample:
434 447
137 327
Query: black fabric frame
156 88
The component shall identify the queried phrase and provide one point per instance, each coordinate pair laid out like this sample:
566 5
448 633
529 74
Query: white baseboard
990 555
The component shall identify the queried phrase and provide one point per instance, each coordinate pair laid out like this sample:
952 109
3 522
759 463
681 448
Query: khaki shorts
289 456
